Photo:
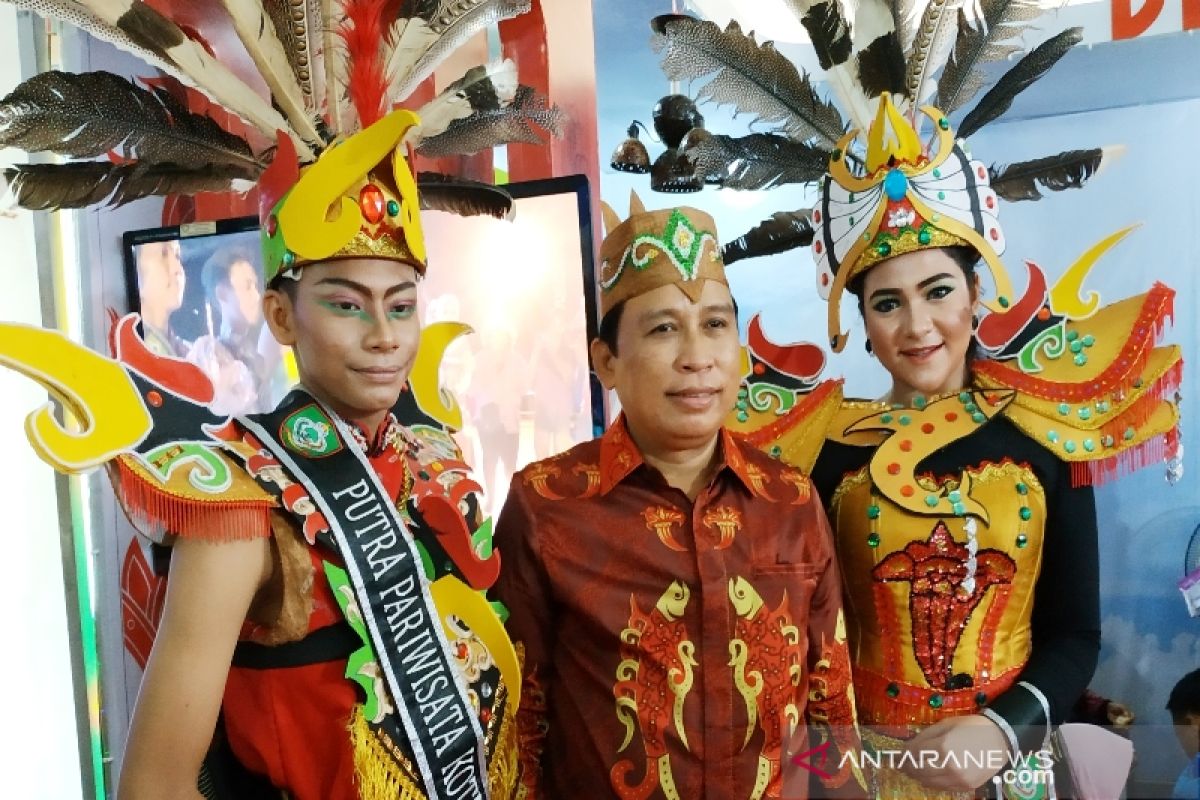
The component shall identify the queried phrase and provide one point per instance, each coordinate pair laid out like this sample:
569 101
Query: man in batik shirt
675 590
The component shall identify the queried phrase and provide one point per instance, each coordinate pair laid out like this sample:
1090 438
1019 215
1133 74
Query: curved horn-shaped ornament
95 389
425 376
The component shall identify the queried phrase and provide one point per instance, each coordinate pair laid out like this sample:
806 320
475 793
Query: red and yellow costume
965 523
306 705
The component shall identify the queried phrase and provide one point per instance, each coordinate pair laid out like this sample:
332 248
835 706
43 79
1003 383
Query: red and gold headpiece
359 199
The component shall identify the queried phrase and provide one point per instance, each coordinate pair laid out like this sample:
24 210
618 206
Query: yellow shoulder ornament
1091 385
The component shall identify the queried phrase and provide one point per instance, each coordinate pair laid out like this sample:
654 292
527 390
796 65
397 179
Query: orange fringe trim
1140 411
1157 310
150 506
1101 471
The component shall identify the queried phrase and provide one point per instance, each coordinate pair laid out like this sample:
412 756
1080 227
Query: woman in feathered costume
962 499
332 549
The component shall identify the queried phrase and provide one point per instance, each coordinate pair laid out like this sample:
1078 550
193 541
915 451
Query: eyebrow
365 290
921 285
671 313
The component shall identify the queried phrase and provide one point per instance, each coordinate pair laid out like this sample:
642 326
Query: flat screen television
199 290
527 288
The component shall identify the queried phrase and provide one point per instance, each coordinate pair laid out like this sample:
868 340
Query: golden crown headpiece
905 198
357 200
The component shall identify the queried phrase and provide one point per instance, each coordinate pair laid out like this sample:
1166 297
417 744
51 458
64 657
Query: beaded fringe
150 507
380 777
1159 448
1094 473
504 768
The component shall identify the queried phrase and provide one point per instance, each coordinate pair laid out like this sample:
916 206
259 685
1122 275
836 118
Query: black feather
881 66
1025 180
757 161
830 33
755 79
785 230
42 187
466 198
1023 74
997 38
517 122
89 114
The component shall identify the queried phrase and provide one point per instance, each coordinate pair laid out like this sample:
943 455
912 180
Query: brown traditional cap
657 248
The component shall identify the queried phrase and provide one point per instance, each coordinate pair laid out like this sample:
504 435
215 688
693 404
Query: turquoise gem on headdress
896 185
393 208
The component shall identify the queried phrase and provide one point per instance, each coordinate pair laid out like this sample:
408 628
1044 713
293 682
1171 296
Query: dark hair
284 284
218 266
610 324
1185 697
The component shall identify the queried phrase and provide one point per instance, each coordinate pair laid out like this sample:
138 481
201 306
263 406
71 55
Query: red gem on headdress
817 216
982 173
995 234
817 247
991 202
824 278
372 203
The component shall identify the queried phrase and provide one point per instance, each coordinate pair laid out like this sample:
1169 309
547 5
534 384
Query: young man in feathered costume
328 564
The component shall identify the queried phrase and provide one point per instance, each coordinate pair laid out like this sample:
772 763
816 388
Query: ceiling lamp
678 123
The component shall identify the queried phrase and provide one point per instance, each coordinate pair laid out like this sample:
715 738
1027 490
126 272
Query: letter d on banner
1130 24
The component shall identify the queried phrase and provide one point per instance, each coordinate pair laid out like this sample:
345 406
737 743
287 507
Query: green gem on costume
311 432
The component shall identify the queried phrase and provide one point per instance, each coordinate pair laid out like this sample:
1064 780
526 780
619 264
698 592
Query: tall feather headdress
335 70
898 54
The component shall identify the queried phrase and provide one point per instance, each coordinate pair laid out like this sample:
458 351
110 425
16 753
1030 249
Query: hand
979 750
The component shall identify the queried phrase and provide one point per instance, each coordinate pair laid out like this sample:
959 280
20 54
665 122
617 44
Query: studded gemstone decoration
372 203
